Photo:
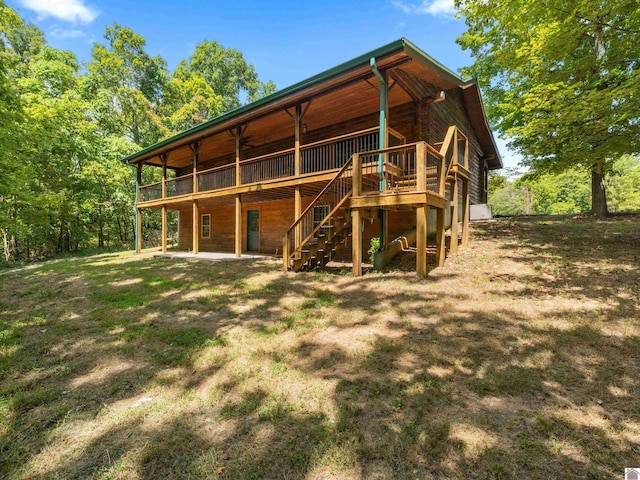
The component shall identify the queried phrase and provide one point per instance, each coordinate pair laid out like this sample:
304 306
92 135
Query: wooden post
238 234
164 229
194 161
196 228
421 240
440 240
421 167
164 175
357 175
443 177
297 207
356 242
139 234
465 213
138 211
164 207
356 223
238 157
196 214
454 154
466 153
454 216
285 251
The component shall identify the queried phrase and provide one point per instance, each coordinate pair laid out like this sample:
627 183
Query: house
388 144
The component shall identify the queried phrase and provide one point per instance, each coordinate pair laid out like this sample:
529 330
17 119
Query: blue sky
286 41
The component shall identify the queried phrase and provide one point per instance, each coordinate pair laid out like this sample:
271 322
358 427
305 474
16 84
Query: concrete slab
210 256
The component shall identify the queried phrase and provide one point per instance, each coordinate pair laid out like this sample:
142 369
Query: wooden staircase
410 176
312 242
325 244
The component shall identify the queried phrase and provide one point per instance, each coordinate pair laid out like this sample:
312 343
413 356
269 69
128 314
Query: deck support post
356 218
138 227
139 231
421 241
440 239
238 233
465 213
196 214
164 207
453 247
421 211
164 229
285 252
196 228
356 242
297 207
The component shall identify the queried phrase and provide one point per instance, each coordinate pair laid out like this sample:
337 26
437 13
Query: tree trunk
5 245
598 193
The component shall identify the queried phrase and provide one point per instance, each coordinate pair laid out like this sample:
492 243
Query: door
253 230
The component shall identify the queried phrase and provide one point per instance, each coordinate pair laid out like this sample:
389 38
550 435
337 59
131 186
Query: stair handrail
286 253
324 220
451 137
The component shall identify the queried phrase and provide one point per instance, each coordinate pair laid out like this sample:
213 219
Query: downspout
381 144
383 120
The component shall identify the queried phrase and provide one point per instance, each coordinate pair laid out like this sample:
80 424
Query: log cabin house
389 144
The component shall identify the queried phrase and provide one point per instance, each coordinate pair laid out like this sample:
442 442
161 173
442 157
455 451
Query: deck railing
150 192
179 186
267 167
217 178
417 166
323 156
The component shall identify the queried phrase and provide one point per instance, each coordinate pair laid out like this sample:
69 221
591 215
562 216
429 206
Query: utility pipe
383 118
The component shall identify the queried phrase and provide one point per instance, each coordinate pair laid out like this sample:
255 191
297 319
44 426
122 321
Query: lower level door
253 230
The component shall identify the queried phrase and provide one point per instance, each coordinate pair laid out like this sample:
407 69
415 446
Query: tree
226 71
561 80
126 86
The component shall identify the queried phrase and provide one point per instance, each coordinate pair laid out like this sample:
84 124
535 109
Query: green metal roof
397 45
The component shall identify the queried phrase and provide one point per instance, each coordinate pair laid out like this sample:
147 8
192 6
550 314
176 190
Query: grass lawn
519 359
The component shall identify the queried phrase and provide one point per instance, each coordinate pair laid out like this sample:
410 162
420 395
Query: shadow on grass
432 392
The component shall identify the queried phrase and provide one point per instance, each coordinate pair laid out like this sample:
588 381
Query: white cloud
63 33
426 7
68 10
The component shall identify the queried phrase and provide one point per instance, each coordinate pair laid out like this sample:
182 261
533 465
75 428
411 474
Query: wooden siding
453 111
275 217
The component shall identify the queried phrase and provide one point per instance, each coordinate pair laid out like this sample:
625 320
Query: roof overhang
387 57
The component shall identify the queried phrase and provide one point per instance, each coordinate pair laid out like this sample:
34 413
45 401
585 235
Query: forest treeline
64 128
512 193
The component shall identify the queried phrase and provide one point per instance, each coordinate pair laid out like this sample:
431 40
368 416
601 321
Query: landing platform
398 199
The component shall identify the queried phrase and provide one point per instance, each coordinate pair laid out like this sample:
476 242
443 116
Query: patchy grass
518 359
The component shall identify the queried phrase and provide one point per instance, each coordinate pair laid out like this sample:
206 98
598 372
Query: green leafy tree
190 102
562 80
127 86
624 184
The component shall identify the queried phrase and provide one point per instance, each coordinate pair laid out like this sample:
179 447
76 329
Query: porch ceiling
356 99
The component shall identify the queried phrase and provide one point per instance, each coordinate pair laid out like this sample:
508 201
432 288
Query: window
205 226
319 214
